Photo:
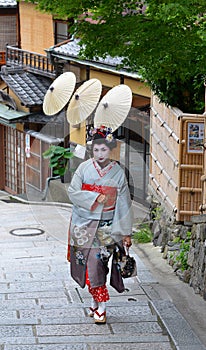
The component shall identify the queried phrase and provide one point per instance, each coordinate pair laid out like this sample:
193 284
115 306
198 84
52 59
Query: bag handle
126 249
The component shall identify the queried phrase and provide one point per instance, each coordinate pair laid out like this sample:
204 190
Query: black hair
99 139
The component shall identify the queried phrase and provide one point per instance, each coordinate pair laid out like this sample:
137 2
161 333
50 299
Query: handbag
127 264
116 280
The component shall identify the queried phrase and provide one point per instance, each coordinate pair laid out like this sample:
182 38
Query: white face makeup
101 153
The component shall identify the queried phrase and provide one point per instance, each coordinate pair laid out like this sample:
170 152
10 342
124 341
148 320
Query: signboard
27 148
195 137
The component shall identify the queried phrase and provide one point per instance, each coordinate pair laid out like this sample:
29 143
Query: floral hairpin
103 131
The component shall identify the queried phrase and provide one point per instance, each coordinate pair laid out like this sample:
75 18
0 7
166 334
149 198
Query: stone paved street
41 307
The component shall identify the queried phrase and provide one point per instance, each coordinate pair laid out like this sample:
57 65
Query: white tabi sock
101 307
94 304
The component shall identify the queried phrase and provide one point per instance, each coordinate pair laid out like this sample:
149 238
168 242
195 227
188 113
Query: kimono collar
105 170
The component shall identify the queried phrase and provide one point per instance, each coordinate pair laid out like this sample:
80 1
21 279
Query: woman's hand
127 241
101 199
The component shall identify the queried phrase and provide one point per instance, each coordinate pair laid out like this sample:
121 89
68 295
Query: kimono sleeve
80 198
123 216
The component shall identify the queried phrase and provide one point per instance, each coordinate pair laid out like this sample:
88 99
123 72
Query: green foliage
182 256
176 240
156 213
143 234
58 157
163 41
171 255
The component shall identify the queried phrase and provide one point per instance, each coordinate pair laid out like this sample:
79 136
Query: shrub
182 256
58 157
143 234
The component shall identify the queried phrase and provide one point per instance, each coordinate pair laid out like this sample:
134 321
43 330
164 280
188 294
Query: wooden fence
176 166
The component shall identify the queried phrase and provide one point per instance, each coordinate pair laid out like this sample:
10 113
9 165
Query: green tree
162 40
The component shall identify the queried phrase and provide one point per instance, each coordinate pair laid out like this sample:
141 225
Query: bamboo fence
176 162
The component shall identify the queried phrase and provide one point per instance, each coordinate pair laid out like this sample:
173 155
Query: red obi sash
108 191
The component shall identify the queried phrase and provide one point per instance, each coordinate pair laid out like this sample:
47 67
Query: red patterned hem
99 294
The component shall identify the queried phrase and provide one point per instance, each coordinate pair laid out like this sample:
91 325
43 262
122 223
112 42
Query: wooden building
30 67
25 132
9 30
43 49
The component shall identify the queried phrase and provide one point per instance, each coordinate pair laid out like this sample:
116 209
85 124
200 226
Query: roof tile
8 3
30 89
72 49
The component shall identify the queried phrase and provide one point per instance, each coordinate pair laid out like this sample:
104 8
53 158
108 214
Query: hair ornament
102 132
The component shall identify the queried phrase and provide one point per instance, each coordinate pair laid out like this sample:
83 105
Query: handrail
33 61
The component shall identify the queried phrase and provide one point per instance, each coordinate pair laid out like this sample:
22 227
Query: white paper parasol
59 93
113 107
84 101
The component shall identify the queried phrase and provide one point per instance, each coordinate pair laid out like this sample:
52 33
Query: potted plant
58 157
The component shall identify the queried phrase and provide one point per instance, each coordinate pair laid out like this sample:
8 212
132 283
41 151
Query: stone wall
184 247
197 255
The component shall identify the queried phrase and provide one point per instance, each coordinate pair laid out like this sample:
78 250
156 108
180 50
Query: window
61 30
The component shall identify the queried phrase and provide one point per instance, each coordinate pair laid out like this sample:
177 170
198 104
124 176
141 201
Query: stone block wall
197 255
176 240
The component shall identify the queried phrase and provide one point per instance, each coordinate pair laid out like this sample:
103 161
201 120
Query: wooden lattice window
14 160
8 31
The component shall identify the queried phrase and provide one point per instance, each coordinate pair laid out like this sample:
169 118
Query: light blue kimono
87 214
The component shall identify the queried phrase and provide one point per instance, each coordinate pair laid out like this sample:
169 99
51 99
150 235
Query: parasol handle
105 105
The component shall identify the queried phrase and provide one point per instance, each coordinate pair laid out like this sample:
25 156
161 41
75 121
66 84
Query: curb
178 329
24 201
